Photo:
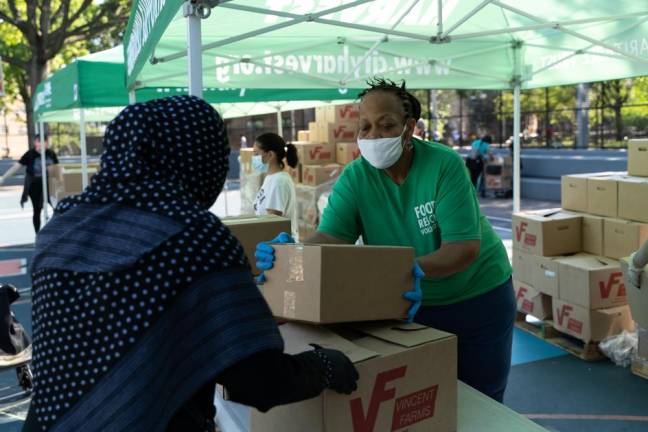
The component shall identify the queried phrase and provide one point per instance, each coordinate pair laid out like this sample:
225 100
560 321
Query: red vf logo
615 279
408 410
529 239
521 292
318 153
563 312
348 111
379 395
342 132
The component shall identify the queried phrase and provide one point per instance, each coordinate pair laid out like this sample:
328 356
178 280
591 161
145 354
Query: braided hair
411 105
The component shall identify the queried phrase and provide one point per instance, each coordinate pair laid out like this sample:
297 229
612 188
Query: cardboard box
638 158
531 301
315 153
305 231
315 175
498 182
522 267
347 152
621 238
295 173
397 389
642 347
303 135
345 113
313 132
590 325
591 282
547 232
73 181
593 234
633 199
251 230
603 195
334 133
339 283
574 192
637 296
545 277
245 160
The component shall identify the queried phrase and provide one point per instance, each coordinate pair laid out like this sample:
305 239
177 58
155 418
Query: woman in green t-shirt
409 192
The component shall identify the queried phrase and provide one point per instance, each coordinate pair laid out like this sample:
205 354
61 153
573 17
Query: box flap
244 219
401 333
298 337
550 214
590 262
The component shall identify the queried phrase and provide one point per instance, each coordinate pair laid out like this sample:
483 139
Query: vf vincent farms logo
425 214
520 231
572 324
615 280
408 410
318 153
349 112
342 132
527 305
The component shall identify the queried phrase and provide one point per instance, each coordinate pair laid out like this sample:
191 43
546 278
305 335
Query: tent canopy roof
96 81
481 44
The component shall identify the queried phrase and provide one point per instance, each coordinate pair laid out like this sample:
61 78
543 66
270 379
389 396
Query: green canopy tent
468 44
92 88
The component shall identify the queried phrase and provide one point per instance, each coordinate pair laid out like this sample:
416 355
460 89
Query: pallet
640 368
587 351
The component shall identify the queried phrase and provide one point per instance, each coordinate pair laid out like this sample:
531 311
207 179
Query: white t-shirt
278 193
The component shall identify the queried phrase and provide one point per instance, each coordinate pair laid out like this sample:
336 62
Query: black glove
340 374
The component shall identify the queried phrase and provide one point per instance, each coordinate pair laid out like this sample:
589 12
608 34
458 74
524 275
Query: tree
614 94
37 34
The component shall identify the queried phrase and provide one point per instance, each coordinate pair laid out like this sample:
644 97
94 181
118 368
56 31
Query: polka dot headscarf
168 157
171 149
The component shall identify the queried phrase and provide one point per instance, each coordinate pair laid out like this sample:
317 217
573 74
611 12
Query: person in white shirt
277 194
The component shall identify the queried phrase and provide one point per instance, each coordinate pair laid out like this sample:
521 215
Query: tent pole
516 147
84 149
435 118
279 122
43 141
131 97
194 47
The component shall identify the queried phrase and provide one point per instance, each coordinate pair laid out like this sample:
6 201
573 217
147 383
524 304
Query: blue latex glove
265 254
416 295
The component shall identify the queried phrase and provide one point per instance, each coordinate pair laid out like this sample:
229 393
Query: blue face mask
258 165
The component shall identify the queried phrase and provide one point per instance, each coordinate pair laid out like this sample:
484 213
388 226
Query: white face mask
382 153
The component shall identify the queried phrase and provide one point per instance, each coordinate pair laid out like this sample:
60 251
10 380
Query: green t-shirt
436 203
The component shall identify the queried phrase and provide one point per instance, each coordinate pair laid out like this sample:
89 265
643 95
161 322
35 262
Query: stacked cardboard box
586 291
65 180
324 294
323 150
539 237
638 300
250 230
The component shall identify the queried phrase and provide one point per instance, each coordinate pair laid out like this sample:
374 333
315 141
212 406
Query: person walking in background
277 194
33 186
480 154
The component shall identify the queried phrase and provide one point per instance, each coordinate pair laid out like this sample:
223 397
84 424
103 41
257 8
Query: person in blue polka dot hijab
143 300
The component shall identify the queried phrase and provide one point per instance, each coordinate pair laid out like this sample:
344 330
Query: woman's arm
450 258
13 170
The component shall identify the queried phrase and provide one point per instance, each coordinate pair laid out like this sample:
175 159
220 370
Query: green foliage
39 36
